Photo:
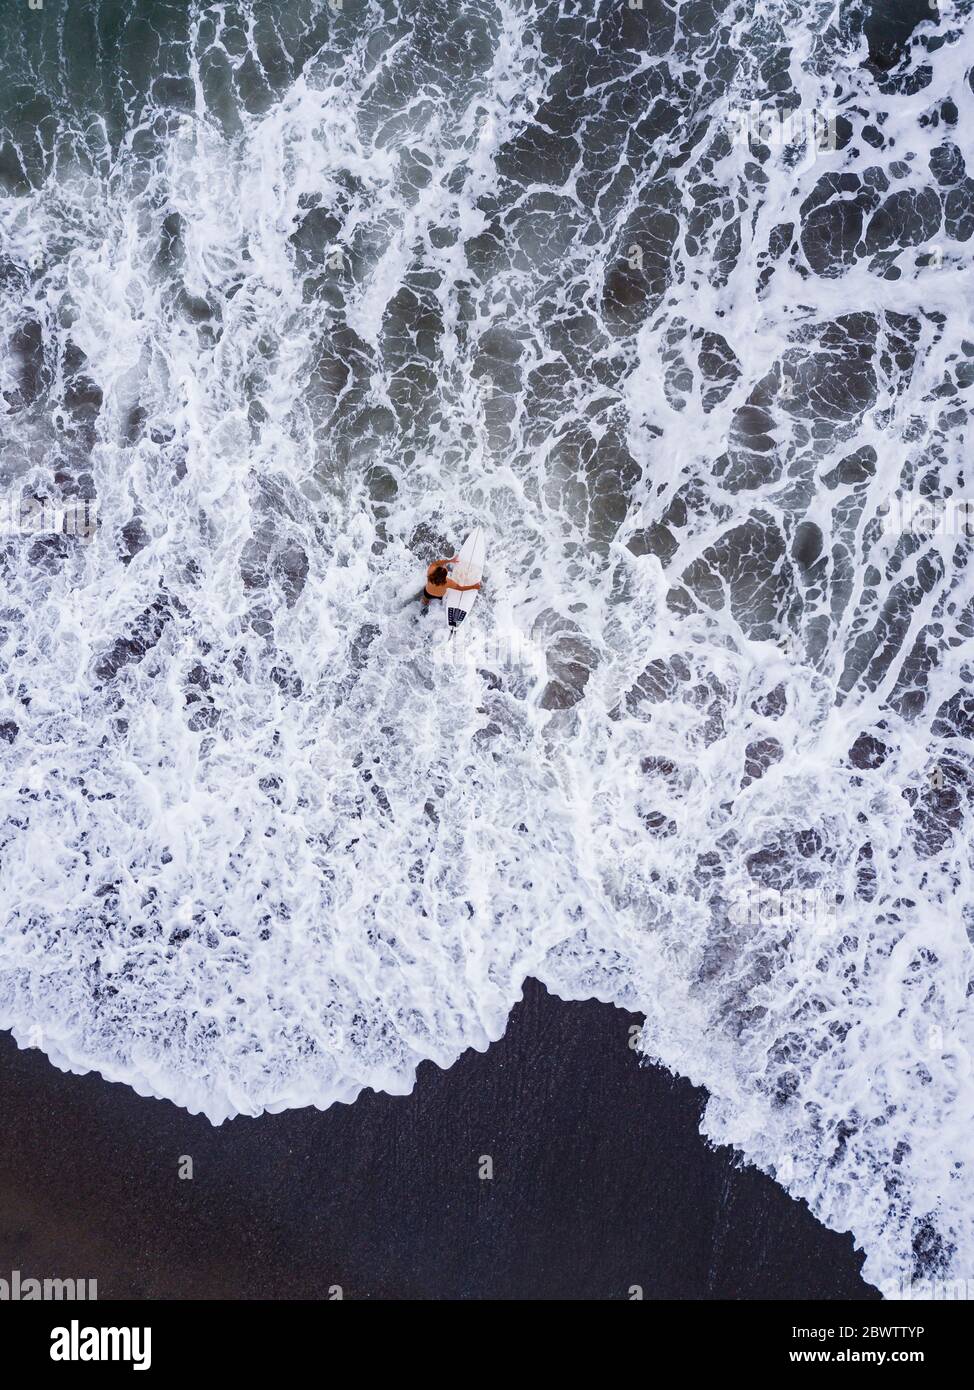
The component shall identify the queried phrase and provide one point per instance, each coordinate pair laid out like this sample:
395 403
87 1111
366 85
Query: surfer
438 581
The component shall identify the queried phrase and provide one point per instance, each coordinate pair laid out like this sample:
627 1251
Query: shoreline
601 1183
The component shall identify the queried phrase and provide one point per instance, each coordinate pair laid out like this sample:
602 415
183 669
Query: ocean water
674 301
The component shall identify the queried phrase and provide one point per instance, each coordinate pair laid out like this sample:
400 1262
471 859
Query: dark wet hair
439 575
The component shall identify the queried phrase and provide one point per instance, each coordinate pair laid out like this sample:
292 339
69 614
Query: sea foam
343 287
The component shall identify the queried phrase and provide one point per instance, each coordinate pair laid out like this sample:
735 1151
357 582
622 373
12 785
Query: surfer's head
439 575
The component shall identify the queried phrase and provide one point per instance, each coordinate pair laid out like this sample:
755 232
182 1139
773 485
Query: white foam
291 851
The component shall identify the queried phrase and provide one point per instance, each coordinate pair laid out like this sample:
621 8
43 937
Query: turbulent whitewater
293 297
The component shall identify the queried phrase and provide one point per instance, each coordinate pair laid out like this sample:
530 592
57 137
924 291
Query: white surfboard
468 570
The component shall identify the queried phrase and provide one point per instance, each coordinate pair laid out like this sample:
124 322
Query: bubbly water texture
297 296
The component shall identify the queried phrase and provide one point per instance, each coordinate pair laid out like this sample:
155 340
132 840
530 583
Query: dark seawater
600 1183
674 303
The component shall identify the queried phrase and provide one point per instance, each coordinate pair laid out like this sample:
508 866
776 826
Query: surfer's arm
460 588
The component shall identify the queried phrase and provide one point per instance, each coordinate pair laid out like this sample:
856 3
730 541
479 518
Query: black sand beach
601 1182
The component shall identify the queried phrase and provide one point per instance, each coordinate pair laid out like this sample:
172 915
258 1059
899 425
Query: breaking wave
671 300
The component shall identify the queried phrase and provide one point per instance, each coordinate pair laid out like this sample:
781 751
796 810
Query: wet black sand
601 1182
